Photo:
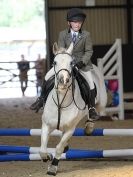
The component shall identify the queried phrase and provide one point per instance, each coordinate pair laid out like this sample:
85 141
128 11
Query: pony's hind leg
52 169
45 133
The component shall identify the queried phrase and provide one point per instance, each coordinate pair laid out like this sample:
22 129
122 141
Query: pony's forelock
61 50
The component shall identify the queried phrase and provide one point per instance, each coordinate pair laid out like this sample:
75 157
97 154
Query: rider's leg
93 115
47 85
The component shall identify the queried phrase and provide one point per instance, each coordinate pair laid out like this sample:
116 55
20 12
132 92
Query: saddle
83 85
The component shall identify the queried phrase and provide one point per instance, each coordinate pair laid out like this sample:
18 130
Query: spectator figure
23 67
40 67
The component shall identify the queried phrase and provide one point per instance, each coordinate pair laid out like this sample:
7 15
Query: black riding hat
75 14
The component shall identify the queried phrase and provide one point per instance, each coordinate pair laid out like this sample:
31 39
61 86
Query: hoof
89 127
66 149
49 157
52 170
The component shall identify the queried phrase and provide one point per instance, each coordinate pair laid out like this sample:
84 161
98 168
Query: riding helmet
75 14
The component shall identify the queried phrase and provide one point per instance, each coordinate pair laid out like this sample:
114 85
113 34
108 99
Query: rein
58 104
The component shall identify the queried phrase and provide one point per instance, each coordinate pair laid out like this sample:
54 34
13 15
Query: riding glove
80 64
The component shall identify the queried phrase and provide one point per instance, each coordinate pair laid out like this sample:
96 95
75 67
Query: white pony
64 106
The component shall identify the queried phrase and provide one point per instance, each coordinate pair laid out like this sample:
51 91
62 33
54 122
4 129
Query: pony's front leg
45 133
89 126
52 169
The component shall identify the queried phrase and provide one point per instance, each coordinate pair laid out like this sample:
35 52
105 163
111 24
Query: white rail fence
111 67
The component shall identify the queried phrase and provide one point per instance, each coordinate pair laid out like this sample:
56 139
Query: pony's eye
54 63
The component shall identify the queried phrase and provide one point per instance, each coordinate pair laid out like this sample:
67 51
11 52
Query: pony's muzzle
63 80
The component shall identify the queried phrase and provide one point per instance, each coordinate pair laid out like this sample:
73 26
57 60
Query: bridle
72 85
57 93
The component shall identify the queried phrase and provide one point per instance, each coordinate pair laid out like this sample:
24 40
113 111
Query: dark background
127 62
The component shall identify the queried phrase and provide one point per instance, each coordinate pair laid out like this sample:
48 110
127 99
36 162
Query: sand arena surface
15 113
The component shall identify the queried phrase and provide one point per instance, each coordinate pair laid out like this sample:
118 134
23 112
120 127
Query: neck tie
74 37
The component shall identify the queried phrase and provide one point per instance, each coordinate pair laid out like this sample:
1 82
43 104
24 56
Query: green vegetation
21 13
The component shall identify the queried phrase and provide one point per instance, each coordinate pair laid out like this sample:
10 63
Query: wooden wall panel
65 3
57 23
110 2
105 25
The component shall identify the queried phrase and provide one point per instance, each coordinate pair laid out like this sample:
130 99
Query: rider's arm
88 50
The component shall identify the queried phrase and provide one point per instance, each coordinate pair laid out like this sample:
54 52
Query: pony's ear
70 49
55 48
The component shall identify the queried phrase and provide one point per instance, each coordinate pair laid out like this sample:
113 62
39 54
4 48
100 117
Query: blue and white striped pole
19 149
35 150
37 132
71 154
78 132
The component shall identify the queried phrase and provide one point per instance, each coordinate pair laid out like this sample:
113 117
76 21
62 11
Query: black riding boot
93 115
46 88
40 100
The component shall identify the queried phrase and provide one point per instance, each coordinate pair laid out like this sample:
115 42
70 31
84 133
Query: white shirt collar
72 31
